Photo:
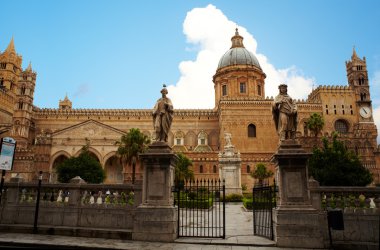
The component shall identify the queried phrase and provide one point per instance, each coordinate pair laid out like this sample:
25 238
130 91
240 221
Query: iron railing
201 209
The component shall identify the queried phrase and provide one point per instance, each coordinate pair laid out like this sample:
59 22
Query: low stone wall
71 209
361 214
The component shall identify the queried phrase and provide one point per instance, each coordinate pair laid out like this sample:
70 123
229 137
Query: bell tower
22 116
357 76
10 69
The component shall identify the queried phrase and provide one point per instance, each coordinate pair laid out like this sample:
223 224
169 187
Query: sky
118 54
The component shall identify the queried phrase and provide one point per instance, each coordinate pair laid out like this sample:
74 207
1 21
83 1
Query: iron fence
201 209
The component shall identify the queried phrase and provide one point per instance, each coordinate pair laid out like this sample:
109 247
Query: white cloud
209 31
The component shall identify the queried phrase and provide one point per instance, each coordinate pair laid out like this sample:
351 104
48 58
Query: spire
237 40
11 46
29 68
354 55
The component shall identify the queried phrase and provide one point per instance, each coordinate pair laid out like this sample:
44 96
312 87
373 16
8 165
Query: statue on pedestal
162 116
284 110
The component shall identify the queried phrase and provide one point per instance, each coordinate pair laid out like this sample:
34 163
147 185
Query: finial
164 85
11 46
354 52
29 68
236 31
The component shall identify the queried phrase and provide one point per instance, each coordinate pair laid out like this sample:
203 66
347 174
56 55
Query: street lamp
35 230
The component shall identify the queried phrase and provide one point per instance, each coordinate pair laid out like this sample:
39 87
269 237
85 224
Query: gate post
296 222
156 218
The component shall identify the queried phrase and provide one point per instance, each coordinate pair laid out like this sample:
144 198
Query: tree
261 173
335 165
315 124
130 146
85 166
182 171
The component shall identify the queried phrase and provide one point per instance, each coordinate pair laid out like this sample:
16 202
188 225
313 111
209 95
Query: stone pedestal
156 218
230 170
296 222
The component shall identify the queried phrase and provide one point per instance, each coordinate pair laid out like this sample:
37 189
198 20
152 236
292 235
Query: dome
238 54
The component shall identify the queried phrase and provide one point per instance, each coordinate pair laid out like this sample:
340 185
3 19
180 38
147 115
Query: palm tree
315 124
261 173
130 146
182 171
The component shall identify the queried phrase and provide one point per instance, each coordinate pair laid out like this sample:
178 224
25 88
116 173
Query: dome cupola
238 54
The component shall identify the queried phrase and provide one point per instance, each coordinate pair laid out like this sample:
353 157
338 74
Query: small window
341 126
20 105
214 169
251 130
22 90
224 90
3 65
258 89
327 111
178 141
203 141
201 169
248 169
363 96
243 88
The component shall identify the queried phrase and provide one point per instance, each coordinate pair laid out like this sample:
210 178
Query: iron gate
201 209
264 200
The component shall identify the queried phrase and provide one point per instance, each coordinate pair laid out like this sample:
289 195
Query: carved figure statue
227 138
162 116
284 110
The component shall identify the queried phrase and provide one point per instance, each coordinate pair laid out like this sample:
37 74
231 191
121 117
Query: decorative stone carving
230 166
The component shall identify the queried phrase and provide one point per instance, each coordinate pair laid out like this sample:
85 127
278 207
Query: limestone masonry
46 137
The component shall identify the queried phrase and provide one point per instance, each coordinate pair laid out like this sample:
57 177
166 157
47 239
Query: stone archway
114 171
53 175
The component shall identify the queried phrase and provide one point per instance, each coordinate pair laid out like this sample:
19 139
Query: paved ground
239 235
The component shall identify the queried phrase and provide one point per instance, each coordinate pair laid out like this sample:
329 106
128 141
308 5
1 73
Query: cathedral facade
46 137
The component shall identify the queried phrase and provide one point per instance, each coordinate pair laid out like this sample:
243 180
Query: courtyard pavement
239 235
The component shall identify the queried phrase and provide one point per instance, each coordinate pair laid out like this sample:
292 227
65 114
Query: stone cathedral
46 137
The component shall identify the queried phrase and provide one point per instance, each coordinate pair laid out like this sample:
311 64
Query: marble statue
162 116
284 110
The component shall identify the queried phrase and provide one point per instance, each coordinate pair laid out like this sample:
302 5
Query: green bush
203 204
234 198
247 203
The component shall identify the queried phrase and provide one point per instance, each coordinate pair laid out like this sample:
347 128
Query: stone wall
71 209
361 214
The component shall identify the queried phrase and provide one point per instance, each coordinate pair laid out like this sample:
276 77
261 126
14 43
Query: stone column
296 222
156 218
230 169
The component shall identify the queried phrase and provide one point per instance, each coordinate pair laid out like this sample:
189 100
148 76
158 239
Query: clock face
365 112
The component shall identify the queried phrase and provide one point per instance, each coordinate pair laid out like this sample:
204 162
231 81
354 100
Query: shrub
234 198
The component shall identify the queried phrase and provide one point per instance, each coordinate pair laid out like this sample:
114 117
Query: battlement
118 112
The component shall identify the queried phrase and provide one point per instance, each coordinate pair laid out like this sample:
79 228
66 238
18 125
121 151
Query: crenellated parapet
46 112
333 89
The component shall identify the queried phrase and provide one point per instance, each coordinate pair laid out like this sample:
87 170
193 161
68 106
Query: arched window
363 96
258 89
214 169
251 130
341 126
248 169
201 169
20 105
224 90
22 90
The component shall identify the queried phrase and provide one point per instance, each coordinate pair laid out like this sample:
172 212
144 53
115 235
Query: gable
89 129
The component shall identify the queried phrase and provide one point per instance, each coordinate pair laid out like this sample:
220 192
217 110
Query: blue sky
117 54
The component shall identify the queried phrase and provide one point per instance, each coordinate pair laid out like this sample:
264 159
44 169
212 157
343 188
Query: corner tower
10 69
239 75
22 116
357 76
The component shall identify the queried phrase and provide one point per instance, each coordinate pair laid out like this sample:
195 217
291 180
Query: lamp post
35 230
